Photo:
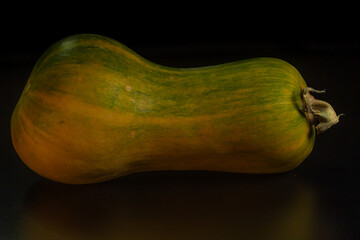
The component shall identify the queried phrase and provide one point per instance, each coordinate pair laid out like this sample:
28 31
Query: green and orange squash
93 110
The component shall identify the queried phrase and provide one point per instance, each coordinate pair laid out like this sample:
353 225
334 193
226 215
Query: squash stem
318 112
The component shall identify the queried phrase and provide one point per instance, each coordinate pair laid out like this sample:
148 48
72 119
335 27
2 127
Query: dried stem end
319 113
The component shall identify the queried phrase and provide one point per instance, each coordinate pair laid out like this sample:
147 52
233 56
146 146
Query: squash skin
93 110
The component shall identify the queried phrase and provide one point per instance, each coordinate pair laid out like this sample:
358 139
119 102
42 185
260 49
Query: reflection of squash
93 110
184 206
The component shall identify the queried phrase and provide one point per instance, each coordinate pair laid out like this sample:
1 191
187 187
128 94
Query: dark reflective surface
172 206
318 200
194 205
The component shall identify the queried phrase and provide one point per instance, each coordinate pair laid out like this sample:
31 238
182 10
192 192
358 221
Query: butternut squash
93 110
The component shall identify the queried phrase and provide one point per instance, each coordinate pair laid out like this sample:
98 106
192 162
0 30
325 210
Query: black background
318 200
